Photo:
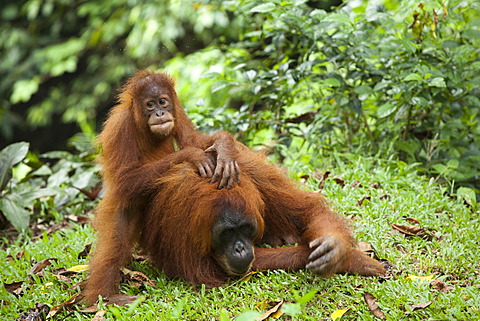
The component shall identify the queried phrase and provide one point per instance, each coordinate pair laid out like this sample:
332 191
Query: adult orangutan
139 142
205 235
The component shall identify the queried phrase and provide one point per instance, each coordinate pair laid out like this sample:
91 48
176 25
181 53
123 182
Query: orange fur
132 158
155 196
177 230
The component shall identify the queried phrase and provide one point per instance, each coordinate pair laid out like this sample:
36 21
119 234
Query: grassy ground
373 195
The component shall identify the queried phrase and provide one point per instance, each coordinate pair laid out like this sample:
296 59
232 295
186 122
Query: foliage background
387 78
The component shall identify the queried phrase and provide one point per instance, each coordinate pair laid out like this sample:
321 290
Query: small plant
49 189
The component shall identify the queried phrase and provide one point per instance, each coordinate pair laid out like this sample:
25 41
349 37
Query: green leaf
219 85
475 65
332 82
210 75
453 163
307 297
24 89
437 82
386 110
292 309
263 8
251 74
467 194
29 196
338 17
413 77
410 147
15 214
441 169
82 178
9 156
248 316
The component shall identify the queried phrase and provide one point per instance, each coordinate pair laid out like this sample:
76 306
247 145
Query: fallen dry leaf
441 286
85 251
426 278
66 305
422 305
305 177
363 199
323 177
40 266
137 279
373 306
338 314
78 268
79 219
274 312
90 309
99 316
364 247
64 272
412 230
356 184
78 286
265 304
122 299
63 278
339 180
244 278
19 255
14 287
375 185
412 220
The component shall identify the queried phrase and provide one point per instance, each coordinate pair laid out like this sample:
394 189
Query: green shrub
402 77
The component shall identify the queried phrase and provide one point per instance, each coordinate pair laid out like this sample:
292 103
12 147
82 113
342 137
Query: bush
399 78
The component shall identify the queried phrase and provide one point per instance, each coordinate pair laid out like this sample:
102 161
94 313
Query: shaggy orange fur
133 156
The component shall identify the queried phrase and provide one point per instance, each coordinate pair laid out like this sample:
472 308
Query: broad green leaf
82 178
21 171
15 213
9 156
413 77
332 82
29 196
292 309
386 110
338 17
453 163
437 82
263 8
475 65
441 169
411 147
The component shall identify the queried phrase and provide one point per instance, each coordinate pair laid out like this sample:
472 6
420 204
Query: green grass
452 256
